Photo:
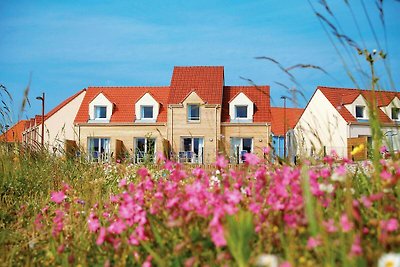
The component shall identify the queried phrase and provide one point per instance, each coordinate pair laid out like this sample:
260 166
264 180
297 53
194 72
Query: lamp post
284 126
41 98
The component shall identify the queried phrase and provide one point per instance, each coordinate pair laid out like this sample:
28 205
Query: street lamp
41 98
284 126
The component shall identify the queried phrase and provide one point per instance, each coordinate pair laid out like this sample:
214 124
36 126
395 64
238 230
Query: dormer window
100 112
241 112
395 113
193 112
146 112
360 112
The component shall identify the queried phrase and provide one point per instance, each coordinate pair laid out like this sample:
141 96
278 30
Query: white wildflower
267 260
326 188
389 259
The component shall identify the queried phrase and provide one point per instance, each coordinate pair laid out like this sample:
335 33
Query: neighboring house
193 120
337 119
283 122
14 134
58 125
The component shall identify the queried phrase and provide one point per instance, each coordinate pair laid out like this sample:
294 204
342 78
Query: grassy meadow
60 212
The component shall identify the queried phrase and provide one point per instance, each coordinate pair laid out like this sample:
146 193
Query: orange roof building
336 118
14 134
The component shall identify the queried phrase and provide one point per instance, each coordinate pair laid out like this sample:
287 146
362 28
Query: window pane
241 111
147 112
359 111
194 112
151 143
196 145
395 113
140 144
187 144
247 144
100 112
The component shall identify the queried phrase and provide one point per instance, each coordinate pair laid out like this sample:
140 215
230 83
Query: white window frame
139 158
363 112
95 112
189 117
102 156
233 149
142 107
236 112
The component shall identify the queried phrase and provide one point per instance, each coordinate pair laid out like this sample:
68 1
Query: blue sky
70 45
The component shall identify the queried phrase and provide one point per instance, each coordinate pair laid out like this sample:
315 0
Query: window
99 149
395 113
191 150
239 147
147 112
100 112
193 112
360 112
241 111
145 149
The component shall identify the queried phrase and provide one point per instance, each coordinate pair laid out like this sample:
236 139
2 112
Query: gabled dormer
146 109
241 109
193 102
100 109
393 109
358 108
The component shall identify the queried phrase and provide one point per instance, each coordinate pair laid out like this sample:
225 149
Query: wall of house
208 127
391 135
321 128
259 133
125 133
60 126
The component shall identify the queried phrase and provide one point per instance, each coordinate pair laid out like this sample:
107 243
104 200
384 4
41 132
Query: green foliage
239 235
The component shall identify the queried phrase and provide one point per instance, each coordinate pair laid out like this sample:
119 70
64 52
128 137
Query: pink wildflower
251 159
160 157
390 225
102 236
330 226
93 222
385 175
57 197
266 150
347 225
143 172
221 162
313 242
122 183
217 236
117 227
285 264
356 249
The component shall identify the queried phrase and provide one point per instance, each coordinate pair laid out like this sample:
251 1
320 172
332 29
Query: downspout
172 129
216 132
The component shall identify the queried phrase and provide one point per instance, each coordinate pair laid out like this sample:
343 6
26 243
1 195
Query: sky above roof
63 46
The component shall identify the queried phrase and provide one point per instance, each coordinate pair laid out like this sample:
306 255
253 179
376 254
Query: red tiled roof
124 99
278 119
342 96
259 95
14 134
206 81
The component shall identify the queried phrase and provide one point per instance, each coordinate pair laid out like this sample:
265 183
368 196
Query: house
58 125
193 119
14 134
283 122
337 119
